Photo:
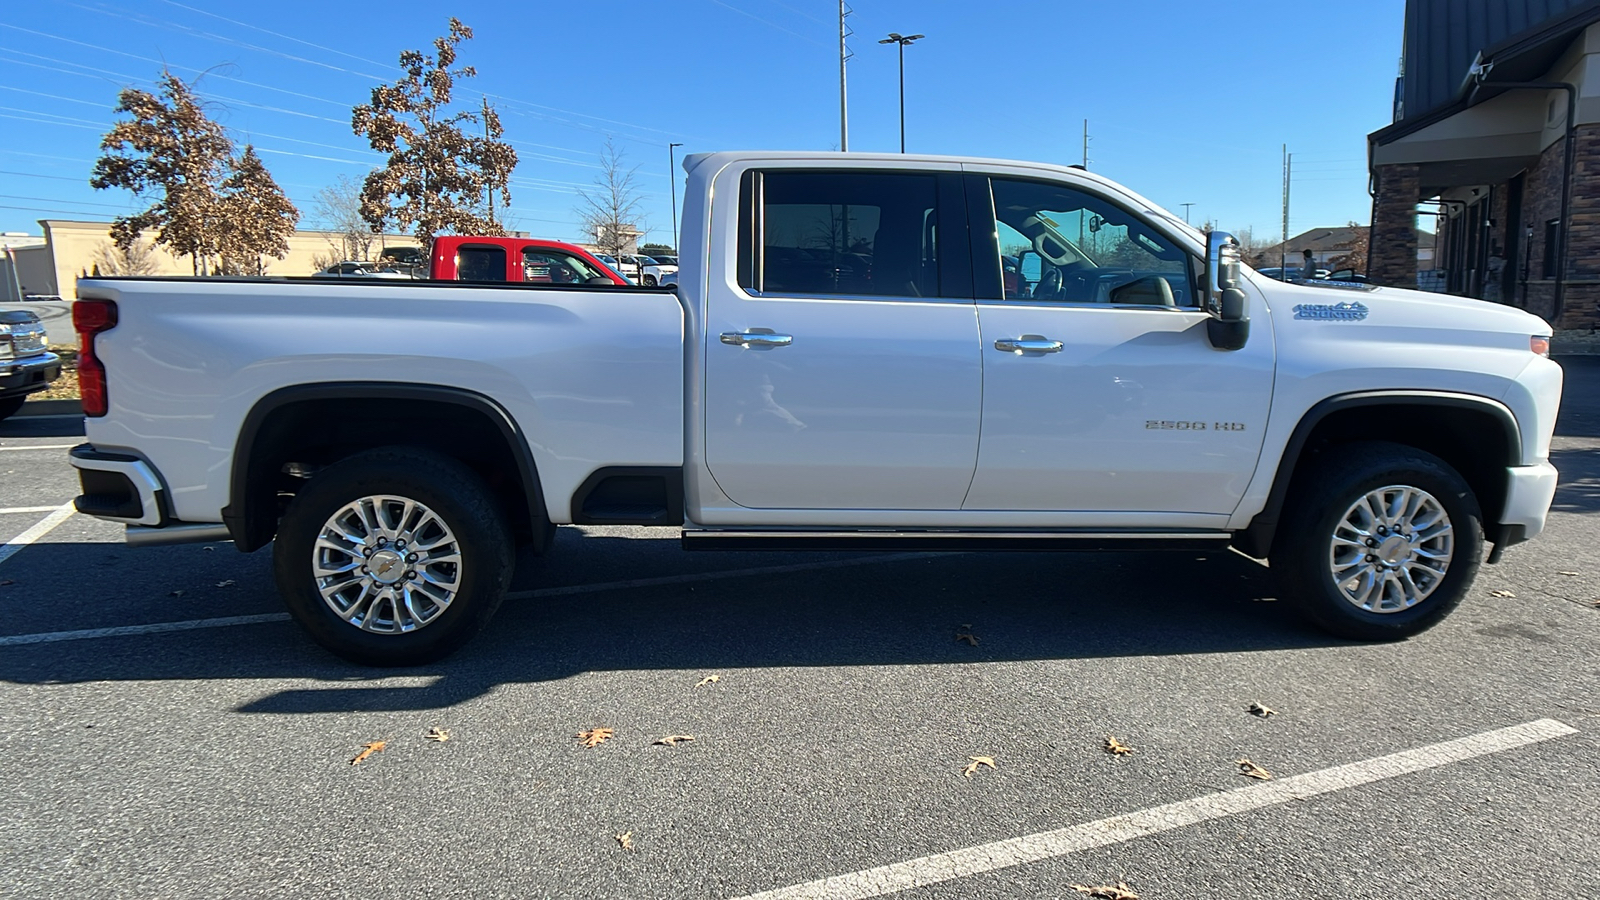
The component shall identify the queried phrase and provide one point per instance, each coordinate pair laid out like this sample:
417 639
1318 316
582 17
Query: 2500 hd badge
1162 425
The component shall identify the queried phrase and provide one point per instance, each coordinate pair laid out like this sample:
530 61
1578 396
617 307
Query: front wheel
1380 541
649 281
393 557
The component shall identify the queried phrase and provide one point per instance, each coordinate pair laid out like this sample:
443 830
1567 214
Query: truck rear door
842 366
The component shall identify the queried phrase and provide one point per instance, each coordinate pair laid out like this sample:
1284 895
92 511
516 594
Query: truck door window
481 264
554 267
862 234
1058 244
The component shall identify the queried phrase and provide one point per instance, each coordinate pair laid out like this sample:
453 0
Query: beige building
48 266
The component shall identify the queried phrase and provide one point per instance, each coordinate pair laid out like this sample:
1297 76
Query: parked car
399 443
614 264
654 271
491 259
26 367
350 269
1347 275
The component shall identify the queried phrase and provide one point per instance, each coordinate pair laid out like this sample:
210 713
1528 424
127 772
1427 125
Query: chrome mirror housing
1229 327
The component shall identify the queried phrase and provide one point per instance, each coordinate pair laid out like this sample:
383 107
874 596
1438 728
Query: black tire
649 281
462 503
1302 558
10 406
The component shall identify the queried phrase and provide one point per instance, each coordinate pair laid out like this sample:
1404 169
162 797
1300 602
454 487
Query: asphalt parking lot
165 732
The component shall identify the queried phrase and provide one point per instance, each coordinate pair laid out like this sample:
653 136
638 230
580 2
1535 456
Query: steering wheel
1050 285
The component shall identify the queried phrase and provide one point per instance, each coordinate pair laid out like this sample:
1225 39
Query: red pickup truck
482 259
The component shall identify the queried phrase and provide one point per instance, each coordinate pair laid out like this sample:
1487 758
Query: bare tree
609 211
438 178
338 209
170 154
1253 250
139 258
257 219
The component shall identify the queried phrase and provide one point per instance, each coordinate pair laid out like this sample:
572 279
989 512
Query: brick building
1497 134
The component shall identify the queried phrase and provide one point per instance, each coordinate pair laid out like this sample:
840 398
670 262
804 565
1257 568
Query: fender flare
1257 537
250 530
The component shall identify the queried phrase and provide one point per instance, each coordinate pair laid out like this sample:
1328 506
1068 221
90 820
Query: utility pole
1186 212
844 104
672 176
1283 248
1086 143
488 137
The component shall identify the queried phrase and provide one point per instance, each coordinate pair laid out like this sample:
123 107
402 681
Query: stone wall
1392 257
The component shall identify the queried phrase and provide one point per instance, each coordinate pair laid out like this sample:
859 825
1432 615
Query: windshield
557 267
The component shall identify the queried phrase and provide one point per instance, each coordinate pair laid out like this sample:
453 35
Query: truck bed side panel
592 377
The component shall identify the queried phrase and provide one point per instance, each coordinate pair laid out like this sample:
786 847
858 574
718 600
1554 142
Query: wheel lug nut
411 558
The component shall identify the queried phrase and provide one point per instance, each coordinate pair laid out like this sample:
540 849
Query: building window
1552 237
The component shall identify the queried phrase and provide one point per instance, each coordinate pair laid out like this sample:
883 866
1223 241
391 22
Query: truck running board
731 539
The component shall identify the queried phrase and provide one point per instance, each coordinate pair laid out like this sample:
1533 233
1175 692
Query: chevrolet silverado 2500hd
846 363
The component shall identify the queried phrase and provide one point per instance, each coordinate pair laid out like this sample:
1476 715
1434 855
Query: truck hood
1396 307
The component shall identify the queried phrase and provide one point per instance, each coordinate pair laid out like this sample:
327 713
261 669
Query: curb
51 408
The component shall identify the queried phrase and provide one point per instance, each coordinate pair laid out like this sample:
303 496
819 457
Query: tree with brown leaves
438 178
609 211
171 154
257 219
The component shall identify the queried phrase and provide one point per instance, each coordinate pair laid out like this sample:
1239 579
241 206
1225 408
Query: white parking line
50 637
40 447
991 857
39 530
27 509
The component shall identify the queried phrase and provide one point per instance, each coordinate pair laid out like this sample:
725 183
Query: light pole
672 176
902 40
1186 212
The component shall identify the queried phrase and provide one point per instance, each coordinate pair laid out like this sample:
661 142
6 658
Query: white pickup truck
864 351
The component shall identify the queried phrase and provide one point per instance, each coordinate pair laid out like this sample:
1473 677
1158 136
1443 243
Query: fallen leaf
367 750
967 636
1502 594
672 740
1260 711
1569 574
594 737
1116 747
7 582
1118 891
1251 770
709 679
228 583
438 734
625 840
176 594
976 762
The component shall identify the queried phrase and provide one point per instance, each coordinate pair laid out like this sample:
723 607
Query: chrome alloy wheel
387 564
1391 549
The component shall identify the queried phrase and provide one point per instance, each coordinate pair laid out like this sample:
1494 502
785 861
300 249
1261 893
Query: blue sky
1187 102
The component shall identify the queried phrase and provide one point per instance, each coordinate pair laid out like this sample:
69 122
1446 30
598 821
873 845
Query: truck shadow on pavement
1031 606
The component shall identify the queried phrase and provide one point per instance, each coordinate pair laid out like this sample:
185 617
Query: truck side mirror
1229 327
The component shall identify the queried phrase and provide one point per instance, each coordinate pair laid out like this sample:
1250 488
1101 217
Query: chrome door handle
756 339
1026 345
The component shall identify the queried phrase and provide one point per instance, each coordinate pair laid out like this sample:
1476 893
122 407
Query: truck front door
1103 398
841 359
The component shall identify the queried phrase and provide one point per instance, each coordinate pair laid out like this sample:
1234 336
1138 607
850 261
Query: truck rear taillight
89 318
1539 345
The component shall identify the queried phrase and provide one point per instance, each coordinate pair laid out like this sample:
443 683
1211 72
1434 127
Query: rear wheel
393 557
1380 542
10 406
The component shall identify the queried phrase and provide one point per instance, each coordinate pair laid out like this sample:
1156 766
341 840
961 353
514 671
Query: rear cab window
479 262
853 234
